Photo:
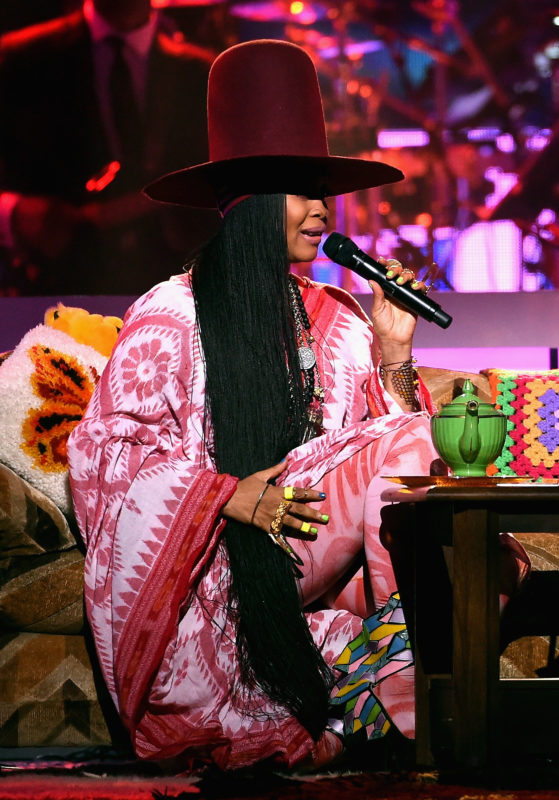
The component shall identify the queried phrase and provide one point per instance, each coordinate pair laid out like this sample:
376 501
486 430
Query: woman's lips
312 234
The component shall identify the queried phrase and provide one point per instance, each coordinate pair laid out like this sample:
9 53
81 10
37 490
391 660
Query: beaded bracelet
404 378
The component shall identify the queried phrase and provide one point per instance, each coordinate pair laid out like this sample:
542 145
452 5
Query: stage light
405 137
297 8
424 219
505 143
483 134
414 234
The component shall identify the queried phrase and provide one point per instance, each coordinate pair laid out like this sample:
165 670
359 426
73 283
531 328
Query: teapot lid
468 401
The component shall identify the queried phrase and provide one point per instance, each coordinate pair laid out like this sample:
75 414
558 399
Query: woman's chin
304 254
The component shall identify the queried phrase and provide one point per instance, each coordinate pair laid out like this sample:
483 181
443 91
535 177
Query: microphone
343 251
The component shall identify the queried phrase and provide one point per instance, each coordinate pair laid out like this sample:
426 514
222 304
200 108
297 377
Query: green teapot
468 434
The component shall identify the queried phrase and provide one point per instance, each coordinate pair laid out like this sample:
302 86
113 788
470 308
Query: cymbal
276 11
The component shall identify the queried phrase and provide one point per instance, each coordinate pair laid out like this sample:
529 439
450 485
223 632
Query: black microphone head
340 249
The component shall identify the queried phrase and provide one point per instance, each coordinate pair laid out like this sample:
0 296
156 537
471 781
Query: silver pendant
307 358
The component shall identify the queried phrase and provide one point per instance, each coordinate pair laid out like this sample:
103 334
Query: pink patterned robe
147 499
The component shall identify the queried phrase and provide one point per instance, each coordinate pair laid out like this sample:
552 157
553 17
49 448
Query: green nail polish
400 281
315 531
390 273
325 517
415 284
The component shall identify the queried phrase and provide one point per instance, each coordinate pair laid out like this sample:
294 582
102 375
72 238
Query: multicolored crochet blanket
530 400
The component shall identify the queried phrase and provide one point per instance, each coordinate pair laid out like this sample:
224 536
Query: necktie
126 114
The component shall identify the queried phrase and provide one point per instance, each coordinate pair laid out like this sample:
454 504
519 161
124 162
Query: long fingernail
325 518
322 495
390 273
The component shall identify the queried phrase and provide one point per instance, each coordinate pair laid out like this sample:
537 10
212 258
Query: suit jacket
52 141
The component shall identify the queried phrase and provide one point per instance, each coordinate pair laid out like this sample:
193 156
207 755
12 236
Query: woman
227 474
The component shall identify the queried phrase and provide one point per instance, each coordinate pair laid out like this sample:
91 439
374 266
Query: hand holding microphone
343 251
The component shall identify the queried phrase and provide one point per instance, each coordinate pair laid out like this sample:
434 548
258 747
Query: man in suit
94 105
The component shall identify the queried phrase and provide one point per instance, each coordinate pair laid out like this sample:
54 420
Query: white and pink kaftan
147 499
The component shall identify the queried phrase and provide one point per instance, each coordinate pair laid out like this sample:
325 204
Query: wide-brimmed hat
266 134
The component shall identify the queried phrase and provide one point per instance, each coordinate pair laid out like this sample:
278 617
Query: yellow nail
390 273
399 280
415 284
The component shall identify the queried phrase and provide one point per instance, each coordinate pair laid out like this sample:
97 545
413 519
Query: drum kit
340 34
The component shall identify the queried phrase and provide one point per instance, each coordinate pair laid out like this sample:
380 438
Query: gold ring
289 492
277 522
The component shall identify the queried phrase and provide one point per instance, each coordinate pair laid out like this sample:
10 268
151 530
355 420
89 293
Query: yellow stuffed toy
92 329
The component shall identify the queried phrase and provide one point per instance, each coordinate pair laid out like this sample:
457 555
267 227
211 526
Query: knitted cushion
530 400
45 385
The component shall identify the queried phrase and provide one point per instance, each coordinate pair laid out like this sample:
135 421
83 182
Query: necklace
313 392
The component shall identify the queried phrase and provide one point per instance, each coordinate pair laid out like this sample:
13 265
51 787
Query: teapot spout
470 443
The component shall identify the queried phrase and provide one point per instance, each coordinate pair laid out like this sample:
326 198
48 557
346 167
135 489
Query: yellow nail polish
415 284
390 273
400 280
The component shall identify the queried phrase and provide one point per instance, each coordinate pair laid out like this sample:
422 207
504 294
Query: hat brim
199 186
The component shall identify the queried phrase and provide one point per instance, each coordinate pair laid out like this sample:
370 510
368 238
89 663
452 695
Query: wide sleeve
146 497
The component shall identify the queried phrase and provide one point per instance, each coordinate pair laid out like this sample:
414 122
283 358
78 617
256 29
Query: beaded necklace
313 392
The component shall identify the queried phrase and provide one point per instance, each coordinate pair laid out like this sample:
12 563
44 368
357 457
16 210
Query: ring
306 527
428 288
277 522
407 269
305 493
289 492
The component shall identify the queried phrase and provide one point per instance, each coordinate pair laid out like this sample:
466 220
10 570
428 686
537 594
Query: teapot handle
469 444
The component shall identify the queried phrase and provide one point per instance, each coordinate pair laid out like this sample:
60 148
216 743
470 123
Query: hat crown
264 99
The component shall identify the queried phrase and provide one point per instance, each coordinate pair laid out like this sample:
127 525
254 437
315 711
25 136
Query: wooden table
465 713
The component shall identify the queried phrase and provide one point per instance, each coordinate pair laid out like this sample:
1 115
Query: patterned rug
356 787
108 776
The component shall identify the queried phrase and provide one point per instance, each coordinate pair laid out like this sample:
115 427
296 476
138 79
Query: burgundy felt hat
266 134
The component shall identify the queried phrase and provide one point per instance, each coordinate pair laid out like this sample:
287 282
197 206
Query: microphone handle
409 298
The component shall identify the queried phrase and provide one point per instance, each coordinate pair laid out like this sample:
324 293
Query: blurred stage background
463 96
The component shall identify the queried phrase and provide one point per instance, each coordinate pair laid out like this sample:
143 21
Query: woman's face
305 223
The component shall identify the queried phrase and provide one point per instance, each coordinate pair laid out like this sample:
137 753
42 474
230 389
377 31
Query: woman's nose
319 209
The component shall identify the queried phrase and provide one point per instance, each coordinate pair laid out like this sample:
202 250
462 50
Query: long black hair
256 412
